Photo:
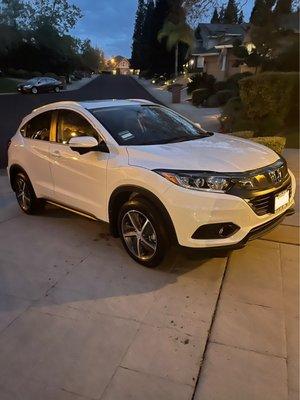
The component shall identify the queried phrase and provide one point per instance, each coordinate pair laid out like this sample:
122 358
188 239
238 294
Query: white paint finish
219 153
86 182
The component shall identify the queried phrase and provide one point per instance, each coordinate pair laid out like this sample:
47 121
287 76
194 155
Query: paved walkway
207 117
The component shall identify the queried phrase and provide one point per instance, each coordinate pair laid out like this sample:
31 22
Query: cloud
108 23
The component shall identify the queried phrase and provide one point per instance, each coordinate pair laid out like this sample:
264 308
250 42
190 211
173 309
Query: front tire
34 90
142 233
25 195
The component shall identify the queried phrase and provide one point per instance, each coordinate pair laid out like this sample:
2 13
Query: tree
222 15
175 34
283 7
11 11
137 56
241 17
215 19
60 14
231 13
176 30
147 38
260 13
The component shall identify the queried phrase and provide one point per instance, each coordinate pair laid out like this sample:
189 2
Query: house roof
223 29
118 59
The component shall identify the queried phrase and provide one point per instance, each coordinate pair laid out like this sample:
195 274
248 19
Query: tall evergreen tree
147 37
283 7
260 13
221 15
231 13
136 56
162 59
215 19
241 17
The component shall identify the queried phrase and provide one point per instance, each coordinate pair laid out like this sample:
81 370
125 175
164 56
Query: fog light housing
216 231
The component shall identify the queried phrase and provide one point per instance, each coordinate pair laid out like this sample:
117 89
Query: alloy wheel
34 90
139 235
23 194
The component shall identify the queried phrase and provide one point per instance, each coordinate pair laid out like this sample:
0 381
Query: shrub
276 143
36 73
270 94
200 95
199 81
212 101
220 85
224 95
231 111
243 134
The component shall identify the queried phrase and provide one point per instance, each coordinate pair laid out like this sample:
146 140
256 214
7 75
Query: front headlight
198 181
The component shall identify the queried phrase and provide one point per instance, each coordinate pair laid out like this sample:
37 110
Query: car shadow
63 259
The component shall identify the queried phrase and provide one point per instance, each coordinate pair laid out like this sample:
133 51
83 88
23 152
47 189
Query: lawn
8 85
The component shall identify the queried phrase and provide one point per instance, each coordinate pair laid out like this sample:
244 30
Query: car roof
92 104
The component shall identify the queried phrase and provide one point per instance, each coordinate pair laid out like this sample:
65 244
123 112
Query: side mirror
84 144
81 142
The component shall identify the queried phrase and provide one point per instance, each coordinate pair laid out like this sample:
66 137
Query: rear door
79 179
36 133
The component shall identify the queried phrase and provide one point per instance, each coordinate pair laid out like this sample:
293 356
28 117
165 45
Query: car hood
219 153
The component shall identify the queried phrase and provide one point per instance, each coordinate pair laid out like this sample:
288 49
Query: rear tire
25 194
56 89
142 232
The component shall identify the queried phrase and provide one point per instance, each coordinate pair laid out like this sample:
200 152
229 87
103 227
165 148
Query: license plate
282 199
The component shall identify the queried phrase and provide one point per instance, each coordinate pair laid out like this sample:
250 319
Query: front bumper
191 209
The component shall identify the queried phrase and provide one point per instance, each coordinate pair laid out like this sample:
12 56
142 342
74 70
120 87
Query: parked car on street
157 178
40 84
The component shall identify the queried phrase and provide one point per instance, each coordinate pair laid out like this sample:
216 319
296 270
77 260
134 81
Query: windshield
145 125
33 80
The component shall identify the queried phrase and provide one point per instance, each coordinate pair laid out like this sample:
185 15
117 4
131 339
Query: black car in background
40 84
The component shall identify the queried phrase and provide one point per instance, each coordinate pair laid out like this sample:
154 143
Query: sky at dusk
109 24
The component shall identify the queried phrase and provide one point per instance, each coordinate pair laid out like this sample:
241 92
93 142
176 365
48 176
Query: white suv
156 177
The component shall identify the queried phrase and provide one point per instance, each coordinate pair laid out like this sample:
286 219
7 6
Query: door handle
56 153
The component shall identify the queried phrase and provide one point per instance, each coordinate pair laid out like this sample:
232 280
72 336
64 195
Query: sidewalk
75 85
207 117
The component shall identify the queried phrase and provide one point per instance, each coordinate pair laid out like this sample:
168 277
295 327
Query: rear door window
38 127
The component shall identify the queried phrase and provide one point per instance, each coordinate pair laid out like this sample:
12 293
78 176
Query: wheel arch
14 169
124 193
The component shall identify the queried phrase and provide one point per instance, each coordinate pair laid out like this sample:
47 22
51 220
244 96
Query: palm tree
175 34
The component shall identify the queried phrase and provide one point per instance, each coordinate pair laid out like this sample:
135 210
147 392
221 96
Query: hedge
276 143
243 134
271 95
224 95
199 95
199 81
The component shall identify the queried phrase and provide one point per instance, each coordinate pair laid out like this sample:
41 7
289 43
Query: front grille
265 204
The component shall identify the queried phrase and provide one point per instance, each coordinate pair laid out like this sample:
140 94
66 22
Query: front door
79 179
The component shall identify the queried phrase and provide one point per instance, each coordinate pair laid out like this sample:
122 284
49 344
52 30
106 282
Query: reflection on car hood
220 153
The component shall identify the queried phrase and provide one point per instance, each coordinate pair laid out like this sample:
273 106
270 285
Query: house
122 65
213 50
